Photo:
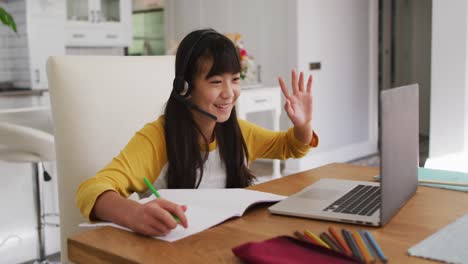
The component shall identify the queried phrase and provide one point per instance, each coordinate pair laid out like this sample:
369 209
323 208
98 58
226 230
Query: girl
197 143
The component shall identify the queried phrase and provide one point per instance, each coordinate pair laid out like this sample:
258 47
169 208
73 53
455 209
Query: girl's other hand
155 218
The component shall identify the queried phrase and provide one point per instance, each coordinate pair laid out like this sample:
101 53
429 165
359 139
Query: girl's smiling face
217 94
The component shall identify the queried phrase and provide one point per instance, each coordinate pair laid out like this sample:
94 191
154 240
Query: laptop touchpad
320 194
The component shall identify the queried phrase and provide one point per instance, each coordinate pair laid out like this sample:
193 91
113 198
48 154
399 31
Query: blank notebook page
205 207
449 244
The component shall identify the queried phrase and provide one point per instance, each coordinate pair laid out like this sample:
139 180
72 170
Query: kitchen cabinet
40 48
45 34
259 99
98 23
40 25
45 8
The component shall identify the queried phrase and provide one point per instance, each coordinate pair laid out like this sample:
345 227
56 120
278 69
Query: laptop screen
399 135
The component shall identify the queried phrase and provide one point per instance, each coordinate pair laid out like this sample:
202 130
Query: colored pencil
300 236
371 251
340 241
363 248
352 244
314 237
310 240
376 246
327 239
340 247
333 240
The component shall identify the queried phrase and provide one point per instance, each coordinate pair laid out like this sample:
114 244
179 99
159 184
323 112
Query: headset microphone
191 105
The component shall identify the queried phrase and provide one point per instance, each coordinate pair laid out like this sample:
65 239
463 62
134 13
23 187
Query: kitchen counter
24 101
22 92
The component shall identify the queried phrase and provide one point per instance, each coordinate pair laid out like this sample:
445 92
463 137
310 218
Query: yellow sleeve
264 143
143 156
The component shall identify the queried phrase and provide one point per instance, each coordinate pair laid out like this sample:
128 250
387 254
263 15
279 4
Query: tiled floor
55 258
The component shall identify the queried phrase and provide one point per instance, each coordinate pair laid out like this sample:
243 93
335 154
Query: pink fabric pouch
288 250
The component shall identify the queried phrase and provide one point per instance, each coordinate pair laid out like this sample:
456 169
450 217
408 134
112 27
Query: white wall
449 82
336 34
264 26
262 23
342 35
285 34
449 95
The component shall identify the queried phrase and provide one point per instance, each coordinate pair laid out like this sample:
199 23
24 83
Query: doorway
405 28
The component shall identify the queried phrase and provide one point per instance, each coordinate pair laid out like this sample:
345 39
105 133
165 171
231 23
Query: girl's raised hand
298 104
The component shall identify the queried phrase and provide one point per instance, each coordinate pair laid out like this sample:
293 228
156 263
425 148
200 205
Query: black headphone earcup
180 86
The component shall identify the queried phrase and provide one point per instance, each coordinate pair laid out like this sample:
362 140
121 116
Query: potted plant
7 19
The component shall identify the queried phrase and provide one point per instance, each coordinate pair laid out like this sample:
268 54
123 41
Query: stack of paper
445 176
457 180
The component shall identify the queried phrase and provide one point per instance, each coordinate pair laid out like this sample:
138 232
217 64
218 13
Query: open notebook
205 207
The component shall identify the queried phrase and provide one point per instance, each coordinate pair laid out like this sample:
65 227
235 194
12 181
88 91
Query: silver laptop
370 203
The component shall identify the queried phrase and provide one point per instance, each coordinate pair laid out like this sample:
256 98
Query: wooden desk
429 210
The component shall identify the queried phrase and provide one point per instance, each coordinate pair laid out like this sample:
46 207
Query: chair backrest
98 103
25 144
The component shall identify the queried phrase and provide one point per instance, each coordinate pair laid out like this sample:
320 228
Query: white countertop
24 103
27 110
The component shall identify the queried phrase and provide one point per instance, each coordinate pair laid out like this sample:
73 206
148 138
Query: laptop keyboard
361 200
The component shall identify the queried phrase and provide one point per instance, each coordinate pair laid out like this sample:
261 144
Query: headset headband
181 86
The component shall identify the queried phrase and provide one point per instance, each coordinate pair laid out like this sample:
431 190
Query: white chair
29 145
98 103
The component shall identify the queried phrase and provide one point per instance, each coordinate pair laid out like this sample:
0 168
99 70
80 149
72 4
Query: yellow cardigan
145 156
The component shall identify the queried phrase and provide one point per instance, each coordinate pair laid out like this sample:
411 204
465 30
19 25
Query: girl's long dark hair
184 155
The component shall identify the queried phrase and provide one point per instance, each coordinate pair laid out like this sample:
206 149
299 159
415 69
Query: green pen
153 190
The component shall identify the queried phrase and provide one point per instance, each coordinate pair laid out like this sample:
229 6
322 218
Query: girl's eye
215 81
236 79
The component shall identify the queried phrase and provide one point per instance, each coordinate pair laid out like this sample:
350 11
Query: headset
181 88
